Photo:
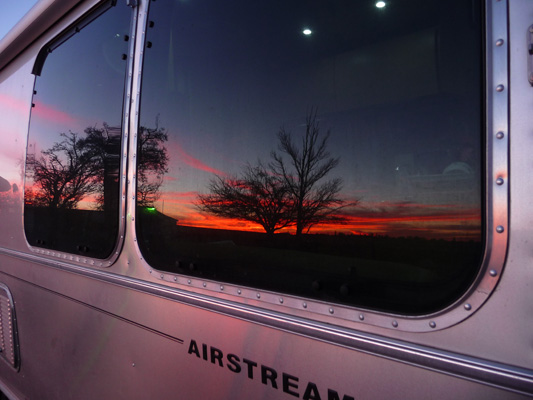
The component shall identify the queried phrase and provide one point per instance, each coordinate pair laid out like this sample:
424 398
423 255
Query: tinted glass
325 149
73 158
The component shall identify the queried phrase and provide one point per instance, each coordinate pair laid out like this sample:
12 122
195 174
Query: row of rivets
394 323
499 180
499 135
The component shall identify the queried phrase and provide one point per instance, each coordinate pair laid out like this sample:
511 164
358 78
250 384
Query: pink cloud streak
176 149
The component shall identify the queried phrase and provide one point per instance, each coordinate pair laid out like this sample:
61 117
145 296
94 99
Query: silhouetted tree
65 173
152 164
302 170
286 193
256 196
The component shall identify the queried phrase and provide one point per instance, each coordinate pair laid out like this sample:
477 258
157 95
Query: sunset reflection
298 157
72 165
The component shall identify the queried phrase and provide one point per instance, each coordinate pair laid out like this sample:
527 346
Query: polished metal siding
120 332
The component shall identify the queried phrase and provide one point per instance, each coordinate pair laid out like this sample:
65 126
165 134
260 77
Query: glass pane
326 149
73 158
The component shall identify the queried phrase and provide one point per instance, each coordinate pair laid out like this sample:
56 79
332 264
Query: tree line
85 165
291 190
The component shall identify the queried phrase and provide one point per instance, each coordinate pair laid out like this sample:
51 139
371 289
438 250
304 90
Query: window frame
87 16
495 210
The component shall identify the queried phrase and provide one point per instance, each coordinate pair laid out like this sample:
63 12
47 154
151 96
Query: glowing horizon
439 221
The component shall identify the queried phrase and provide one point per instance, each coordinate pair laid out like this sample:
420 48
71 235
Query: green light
150 208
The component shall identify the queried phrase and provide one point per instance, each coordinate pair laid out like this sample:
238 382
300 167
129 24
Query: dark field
411 275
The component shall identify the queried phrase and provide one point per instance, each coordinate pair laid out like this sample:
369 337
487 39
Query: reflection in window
330 150
71 191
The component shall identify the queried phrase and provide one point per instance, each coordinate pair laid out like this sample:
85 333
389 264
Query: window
71 194
329 150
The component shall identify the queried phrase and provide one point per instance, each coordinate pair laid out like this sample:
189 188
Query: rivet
221 287
395 323
499 181
258 295
468 307
162 276
304 304
493 272
150 271
189 281
239 291
331 310
281 300
499 42
204 284
500 229
361 317
432 324
175 279
500 88
133 364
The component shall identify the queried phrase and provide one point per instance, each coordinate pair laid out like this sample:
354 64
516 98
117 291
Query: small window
324 149
71 194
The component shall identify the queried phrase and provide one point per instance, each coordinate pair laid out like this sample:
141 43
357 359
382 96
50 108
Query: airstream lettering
269 376
267 199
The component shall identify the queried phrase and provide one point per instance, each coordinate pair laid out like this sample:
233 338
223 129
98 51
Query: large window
324 149
71 194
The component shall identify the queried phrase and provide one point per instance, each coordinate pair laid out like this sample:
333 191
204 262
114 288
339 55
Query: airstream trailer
267 200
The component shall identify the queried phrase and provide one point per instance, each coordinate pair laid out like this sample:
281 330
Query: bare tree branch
313 202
